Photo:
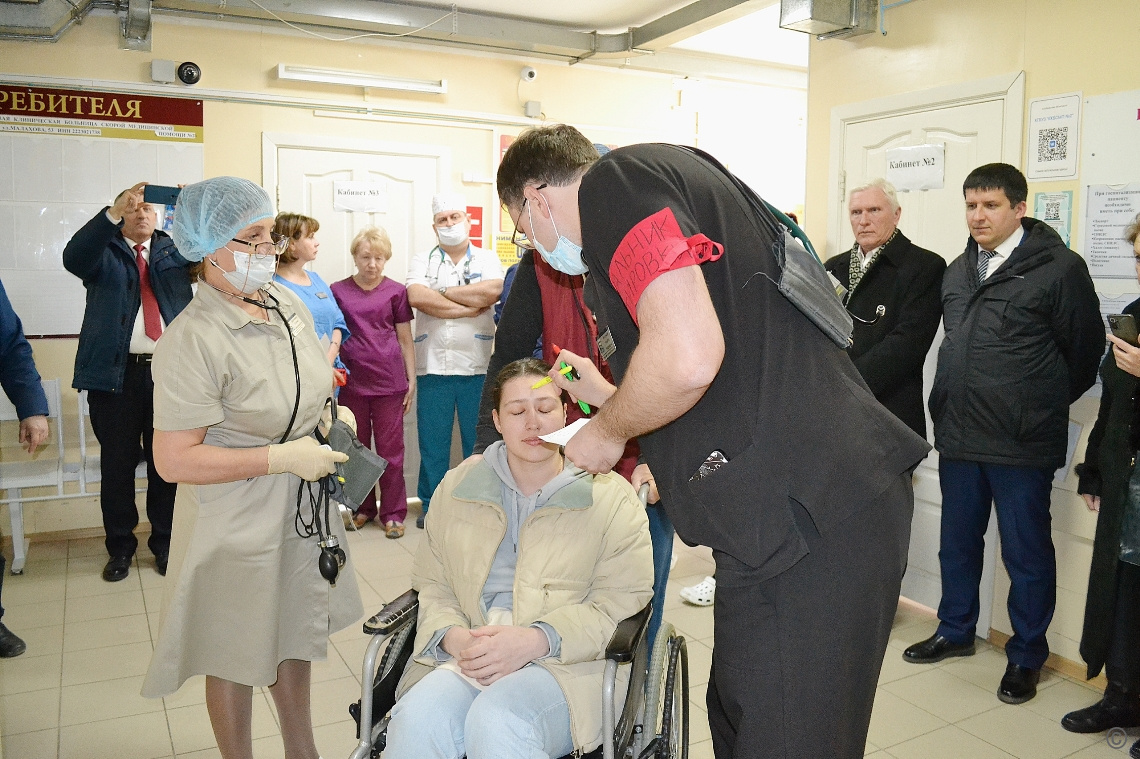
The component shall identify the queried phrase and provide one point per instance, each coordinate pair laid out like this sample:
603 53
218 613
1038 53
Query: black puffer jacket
1019 349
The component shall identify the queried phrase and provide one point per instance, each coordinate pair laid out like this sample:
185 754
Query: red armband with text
654 246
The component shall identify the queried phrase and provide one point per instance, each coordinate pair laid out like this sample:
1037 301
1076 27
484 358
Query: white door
303 169
974 132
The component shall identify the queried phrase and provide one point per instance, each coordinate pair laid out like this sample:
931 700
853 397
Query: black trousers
3 566
1122 666
796 658
124 424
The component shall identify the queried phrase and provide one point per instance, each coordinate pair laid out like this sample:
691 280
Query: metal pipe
884 7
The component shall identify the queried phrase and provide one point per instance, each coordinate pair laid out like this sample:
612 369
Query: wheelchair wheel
667 697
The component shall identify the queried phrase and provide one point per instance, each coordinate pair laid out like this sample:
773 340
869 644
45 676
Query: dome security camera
528 74
189 72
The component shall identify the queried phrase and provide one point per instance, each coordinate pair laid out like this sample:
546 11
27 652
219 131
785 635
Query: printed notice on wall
919 167
72 113
1056 210
1054 124
363 197
1109 210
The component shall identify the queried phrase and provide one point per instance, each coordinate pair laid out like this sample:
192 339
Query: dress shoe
1134 752
1102 716
117 568
936 648
10 644
1019 684
160 561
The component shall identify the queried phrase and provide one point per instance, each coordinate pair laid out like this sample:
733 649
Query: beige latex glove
304 457
343 413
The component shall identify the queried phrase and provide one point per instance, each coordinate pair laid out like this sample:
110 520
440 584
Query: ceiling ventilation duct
829 18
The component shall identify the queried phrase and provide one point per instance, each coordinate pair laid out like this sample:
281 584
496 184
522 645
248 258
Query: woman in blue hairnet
240 384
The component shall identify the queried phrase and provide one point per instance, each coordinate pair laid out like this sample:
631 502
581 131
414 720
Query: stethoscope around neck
880 312
466 263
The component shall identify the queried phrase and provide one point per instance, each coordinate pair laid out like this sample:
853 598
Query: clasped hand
489 653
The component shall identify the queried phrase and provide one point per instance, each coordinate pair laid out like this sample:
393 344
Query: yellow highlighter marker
547 380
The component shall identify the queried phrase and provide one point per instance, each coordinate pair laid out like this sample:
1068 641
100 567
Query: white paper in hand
562 436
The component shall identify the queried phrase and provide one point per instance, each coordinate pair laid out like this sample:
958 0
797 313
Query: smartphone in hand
1124 327
160 195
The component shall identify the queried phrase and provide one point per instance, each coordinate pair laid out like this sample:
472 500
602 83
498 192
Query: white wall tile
37 165
87 171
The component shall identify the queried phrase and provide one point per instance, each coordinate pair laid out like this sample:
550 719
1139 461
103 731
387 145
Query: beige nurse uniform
243 591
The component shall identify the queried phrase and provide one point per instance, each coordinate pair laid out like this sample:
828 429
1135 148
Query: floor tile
943 695
101 633
1056 701
101 607
984 669
106 699
42 744
48 550
701 750
27 673
1108 747
1025 734
29 712
333 668
330 700
700 662
337 739
193 691
111 663
144 736
89 582
692 621
949 742
86 547
895 720
33 615
36 585
41 640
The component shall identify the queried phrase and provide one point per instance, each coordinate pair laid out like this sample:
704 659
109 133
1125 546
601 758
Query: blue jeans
522 716
440 397
1021 496
661 536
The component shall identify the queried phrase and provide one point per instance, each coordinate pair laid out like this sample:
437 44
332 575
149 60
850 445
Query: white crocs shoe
700 594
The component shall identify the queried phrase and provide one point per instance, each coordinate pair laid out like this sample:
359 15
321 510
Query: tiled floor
74 694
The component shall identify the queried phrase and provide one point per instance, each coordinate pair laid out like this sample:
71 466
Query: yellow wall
1062 46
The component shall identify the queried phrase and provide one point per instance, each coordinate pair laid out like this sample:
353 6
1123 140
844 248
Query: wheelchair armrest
394 615
623 643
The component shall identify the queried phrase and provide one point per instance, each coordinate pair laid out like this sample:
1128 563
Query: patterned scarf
856 271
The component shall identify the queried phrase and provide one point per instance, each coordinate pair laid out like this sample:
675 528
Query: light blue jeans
522 716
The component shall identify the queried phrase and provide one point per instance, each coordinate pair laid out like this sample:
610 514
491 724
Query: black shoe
10 644
160 562
1134 752
936 648
1019 684
117 568
1118 708
420 522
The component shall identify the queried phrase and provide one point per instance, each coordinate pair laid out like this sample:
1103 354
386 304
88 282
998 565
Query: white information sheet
1108 212
919 167
1056 210
1054 130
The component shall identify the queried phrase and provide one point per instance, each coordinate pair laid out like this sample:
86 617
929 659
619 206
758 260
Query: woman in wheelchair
527 566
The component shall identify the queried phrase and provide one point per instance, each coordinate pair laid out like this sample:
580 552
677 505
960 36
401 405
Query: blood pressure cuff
355 478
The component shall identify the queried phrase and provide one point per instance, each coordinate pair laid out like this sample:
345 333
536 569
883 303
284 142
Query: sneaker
420 522
700 594
10 644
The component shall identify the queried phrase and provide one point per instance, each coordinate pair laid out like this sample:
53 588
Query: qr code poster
1056 210
1054 123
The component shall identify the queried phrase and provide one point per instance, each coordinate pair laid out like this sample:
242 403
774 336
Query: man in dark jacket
1023 341
136 284
21 383
886 270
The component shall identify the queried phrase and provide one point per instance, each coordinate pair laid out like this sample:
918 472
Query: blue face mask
566 256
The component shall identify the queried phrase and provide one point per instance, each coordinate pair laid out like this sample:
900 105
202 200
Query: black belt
139 358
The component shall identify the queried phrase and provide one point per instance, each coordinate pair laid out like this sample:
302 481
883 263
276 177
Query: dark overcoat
1106 470
907 281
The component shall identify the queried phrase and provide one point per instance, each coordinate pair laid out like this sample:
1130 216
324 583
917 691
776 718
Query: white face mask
251 273
456 234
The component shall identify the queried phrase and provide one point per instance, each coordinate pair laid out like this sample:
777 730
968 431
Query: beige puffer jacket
585 563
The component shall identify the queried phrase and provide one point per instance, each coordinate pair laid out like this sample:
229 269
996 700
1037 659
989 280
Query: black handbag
803 280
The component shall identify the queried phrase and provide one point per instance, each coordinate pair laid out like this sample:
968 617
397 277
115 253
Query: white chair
18 470
89 459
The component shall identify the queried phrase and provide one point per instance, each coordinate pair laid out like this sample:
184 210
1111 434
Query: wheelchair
654 721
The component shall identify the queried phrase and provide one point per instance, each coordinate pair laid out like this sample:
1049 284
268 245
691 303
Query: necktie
984 257
152 319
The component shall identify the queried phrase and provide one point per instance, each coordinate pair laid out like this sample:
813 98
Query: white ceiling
756 37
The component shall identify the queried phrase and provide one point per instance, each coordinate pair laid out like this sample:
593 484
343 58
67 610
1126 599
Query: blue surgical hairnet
210 213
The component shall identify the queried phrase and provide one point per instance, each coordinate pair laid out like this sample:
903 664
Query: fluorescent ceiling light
359 79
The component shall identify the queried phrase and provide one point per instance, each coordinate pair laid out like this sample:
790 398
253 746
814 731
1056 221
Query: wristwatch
443 290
